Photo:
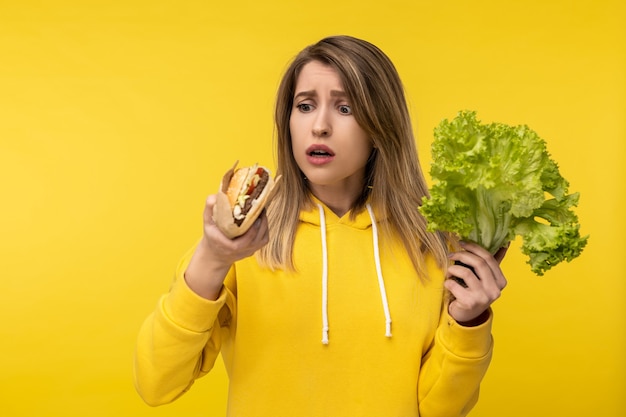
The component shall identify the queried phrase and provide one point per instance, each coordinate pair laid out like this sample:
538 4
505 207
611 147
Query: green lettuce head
493 182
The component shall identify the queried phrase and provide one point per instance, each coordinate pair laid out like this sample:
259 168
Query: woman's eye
304 107
344 109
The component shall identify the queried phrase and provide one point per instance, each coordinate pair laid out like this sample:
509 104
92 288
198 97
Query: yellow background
117 118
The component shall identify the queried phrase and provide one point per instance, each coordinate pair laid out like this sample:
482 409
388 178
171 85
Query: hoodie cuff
467 342
190 311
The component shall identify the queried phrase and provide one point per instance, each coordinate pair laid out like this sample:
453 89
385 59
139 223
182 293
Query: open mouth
320 151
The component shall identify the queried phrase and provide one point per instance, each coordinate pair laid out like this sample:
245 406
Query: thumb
499 255
208 209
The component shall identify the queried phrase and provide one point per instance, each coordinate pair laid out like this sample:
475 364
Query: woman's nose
322 126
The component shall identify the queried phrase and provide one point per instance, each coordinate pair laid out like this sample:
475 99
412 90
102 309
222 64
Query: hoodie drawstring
379 273
324 277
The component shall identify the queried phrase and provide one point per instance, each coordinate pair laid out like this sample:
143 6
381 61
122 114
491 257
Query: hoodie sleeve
454 367
180 340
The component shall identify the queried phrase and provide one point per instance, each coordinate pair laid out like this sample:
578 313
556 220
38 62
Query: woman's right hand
216 253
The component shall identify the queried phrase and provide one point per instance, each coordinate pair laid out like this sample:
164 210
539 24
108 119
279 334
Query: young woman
337 302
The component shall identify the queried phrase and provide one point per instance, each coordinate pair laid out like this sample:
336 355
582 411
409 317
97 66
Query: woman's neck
339 200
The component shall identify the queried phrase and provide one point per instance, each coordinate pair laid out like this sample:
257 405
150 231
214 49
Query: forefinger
481 252
491 261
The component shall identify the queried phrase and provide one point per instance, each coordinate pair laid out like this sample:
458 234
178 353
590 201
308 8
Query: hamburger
243 195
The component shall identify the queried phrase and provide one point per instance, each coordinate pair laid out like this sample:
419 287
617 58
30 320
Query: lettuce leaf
492 182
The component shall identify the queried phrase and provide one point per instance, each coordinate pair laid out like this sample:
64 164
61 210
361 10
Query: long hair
394 183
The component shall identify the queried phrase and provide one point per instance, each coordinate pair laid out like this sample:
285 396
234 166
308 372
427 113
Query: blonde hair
394 183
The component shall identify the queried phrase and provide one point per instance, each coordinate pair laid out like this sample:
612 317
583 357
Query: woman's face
328 145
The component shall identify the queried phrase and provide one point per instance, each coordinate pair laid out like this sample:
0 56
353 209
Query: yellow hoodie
355 332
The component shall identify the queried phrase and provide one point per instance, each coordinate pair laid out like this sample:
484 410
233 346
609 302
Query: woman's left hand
471 304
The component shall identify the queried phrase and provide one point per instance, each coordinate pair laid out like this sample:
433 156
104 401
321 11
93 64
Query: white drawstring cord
379 272
324 277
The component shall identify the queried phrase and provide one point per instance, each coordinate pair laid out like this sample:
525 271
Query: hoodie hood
322 217
312 216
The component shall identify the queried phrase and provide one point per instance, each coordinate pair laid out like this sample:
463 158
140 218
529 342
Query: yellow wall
117 118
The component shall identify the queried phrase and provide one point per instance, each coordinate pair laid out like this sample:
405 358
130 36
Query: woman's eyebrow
309 93
313 93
